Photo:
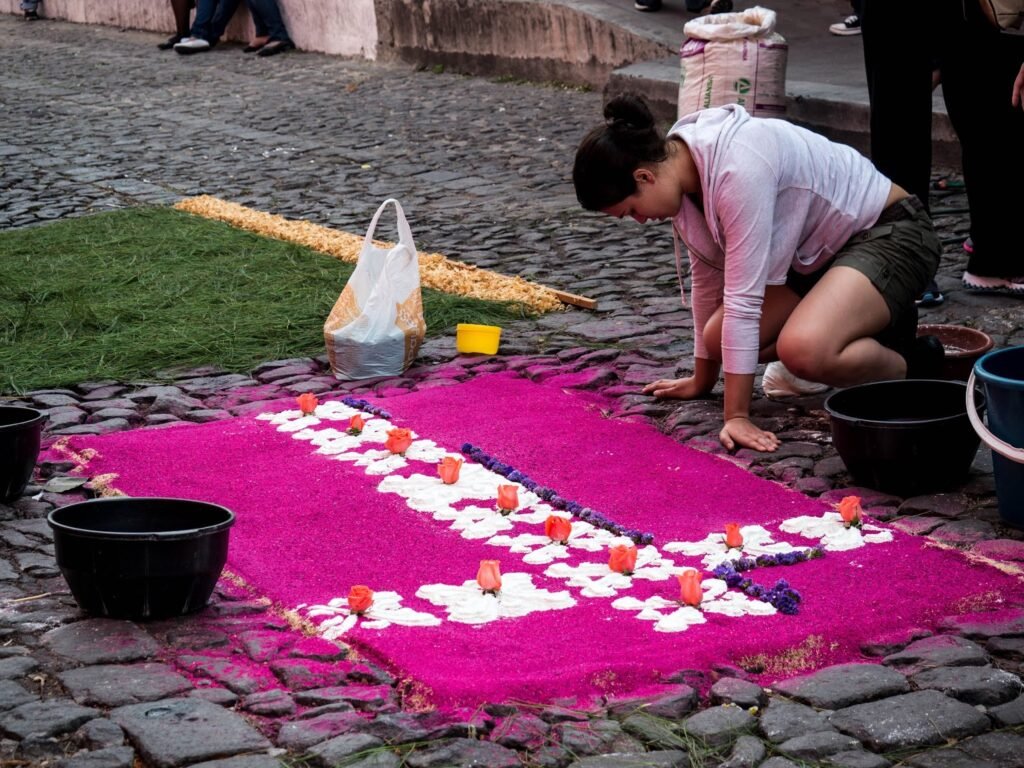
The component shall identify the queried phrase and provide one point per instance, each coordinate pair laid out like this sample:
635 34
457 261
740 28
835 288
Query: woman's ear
643 176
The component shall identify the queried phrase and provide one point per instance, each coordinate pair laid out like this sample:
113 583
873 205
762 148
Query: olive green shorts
899 255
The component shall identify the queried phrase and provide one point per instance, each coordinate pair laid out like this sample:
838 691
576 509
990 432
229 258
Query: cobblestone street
97 119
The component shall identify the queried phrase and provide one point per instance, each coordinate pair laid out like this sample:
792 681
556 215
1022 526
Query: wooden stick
575 300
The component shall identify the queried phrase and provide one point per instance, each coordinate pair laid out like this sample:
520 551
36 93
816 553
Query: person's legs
828 337
978 68
222 17
269 16
779 303
181 13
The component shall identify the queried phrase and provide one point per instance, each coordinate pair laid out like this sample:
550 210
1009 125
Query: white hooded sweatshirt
774 196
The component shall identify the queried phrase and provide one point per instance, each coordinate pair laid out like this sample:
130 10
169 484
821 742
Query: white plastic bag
376 326
734 58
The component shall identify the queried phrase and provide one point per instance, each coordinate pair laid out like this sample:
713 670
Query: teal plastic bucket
1002 374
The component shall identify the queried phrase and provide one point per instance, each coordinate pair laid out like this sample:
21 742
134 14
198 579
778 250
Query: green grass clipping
126 294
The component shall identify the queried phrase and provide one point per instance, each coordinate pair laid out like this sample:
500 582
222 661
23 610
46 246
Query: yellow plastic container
480 339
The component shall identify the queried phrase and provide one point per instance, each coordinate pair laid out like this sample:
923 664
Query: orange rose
557 529
508 498
850 511
398 440
489 576
622 558
448 469
360 599
355 425
307 403
690 592
733 537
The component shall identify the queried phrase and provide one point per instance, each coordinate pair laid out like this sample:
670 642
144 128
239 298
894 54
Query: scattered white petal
756 541
386 609
833 533
467 603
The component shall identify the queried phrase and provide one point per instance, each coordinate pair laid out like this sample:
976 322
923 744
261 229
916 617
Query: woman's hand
682 389
740 431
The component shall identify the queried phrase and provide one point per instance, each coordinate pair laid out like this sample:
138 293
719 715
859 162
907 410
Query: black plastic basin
905 437
20 432
141 558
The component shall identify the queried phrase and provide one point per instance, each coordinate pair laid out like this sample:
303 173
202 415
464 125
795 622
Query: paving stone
671 706
13 695
110 757
1009 714
595 737
463 752
99 641
275 703
972 685
318 648
45 718
363 697
398 728
110 685
742 693
814 746
893 642
719 726
672 758
17 666
918 719
222 697
1003 749
1006 550
237 678
963 533
843 685
523 731
857 759
264 645
918 526
303 734
243 761
197 639
336 751
784 720
938 651
779 762
947 758
175 732
377 760
747 752
1006 647
981 626
99 734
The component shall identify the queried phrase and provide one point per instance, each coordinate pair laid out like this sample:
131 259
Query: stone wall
521 38
340 27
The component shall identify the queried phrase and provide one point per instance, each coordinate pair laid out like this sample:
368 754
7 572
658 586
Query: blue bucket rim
989 377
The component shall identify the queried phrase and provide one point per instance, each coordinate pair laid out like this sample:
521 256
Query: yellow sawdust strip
436 271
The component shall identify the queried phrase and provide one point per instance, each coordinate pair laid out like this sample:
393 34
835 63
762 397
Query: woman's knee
713 336
804 354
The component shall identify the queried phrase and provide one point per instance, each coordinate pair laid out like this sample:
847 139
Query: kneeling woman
800 250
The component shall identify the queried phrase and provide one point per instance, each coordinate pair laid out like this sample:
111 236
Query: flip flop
275 47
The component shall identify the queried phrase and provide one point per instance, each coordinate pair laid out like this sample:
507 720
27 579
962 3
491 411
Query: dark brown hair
606 158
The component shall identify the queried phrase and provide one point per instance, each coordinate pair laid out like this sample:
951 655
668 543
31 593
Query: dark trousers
266 16
903 41
212 17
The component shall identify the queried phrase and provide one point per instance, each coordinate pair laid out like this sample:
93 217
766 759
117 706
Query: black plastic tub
20 432
905 437
141 558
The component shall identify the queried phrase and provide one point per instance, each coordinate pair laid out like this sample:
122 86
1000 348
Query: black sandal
275 47
170 42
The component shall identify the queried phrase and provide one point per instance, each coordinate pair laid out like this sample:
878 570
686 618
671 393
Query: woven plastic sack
734 58
376 326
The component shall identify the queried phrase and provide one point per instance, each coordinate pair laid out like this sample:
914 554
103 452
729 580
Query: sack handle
1001 447
404 233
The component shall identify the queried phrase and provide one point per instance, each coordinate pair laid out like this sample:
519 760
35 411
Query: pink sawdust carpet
312 523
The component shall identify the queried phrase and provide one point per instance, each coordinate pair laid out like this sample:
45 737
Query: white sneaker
192 45
778 382
848 26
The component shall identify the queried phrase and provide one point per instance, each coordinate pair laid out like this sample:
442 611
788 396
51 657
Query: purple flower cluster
785 599
779 558
362 405
549 495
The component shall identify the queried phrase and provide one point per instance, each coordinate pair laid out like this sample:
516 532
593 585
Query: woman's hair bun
628 112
